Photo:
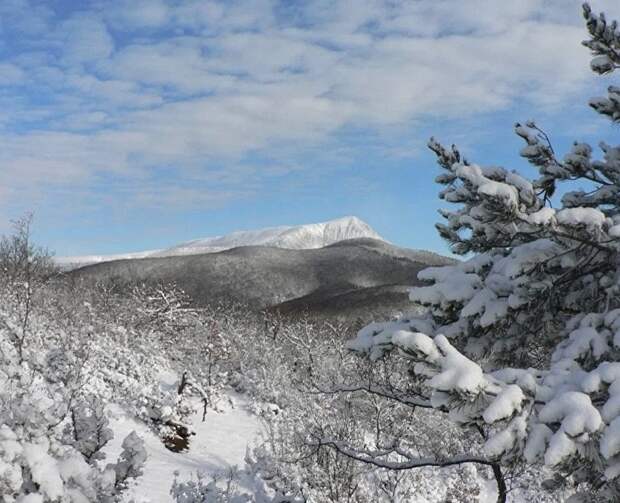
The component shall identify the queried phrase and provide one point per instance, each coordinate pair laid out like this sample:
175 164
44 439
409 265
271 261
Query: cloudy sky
128 125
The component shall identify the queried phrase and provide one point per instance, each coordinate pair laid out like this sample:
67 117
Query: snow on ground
488 491
220 443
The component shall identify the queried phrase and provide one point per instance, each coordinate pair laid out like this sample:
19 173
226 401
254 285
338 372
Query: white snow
501 191
575 412
614 231
601 64
544 216
415 341
298 237
487 187
588 217
505 404
537 442
79 261
457 286
560 447
504 440
580 342
458 372
220 443
610 441
577 417
44 469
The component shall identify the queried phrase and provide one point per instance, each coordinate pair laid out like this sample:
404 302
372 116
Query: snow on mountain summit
323 234
297 237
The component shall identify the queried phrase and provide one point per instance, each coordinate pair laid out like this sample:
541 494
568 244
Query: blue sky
130 125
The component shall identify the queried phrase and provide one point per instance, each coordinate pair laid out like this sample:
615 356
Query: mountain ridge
369 272
298 237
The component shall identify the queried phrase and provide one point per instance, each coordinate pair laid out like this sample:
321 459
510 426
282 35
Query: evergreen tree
522 339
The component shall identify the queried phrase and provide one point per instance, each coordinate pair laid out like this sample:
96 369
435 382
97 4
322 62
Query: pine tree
522 338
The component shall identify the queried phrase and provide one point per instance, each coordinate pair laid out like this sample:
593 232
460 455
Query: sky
134 125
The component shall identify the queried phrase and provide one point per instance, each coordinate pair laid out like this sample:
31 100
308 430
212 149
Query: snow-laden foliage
144 348
247 486
317 400
522 339
49 437
63 358
203 490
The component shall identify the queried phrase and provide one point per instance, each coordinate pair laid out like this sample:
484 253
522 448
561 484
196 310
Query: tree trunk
501 483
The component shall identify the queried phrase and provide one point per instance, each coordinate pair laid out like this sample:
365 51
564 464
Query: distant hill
298 237
373 302
362 273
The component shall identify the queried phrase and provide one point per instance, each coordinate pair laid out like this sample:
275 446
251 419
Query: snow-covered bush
131 460
50 436
522 339
62 359
201 351
216 489
128 362
88 430
308 389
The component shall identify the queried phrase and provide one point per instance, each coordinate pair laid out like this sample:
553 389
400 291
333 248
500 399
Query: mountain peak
297 237
325 233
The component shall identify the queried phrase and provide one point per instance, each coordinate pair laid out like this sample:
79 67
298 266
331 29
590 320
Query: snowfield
219 444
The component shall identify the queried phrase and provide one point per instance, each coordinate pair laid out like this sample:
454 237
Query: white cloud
85 39
10 74
180 198
111 92
199 13
192 85
25 16
136 14
177 64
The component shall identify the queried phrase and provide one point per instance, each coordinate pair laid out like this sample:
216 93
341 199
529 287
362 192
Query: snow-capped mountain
298 237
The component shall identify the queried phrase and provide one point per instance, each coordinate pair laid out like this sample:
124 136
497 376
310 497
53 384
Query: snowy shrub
128 363
88 429
201 352
309 389
52 387
51 434
521 340
131 460
212 490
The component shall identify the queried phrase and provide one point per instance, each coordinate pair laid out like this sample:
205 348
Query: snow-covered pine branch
522 339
